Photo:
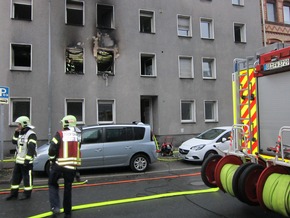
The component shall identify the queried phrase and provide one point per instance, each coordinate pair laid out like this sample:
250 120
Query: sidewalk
6 171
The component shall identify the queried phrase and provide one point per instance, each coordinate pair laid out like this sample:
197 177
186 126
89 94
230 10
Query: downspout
49 72
263 23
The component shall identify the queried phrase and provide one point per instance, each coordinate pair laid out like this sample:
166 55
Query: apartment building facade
167 63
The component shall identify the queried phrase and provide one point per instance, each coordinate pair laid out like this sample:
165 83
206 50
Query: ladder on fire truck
244 100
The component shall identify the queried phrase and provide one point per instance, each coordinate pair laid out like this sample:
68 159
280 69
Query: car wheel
208 154
139 163
47 168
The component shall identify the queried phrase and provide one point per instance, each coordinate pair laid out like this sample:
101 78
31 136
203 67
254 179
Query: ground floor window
19 107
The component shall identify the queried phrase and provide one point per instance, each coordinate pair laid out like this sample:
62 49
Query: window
271 12
238 2
147 21
185 67
239 32
21 57
92 136
76 107
105 62
184 26
105 16
19 107
74 60
75 13
148 64
116 134
210 111
21 9
187 111
206 28
105 111
208 68
286 12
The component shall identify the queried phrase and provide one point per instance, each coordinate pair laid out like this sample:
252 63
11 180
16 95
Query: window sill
23 69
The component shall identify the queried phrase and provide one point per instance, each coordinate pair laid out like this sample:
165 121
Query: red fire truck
256 167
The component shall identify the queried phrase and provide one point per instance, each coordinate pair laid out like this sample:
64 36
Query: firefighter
64 155
26 144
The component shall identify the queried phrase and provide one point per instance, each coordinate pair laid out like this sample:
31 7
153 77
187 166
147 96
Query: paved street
168 189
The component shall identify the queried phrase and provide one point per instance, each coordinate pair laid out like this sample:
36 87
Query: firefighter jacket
26 144
64 149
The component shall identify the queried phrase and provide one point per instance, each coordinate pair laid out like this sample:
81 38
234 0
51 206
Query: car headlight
197 147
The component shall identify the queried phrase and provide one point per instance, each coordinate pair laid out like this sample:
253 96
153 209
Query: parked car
110 146
205 144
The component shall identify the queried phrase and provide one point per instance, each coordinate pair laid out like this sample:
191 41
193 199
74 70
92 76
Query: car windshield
210 134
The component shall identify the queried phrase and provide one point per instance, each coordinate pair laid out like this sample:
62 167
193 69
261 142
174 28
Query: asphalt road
168 189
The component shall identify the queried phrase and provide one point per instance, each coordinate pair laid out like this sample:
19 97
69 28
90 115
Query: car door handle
128 147
98 149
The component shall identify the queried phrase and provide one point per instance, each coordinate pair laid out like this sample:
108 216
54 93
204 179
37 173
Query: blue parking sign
4 95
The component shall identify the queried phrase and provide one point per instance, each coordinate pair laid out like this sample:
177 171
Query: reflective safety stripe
14 186
55 141
32 140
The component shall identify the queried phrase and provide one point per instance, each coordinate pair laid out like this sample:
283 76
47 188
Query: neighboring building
163 62
275 21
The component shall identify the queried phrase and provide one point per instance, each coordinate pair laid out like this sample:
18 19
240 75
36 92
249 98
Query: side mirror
224 140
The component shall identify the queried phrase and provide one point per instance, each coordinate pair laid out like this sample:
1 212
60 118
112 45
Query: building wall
127 87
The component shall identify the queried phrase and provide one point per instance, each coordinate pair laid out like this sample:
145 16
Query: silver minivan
110 146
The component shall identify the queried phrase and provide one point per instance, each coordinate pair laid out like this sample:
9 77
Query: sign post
4 99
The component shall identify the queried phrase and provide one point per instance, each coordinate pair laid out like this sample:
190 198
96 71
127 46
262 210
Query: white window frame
243 32
212 62
154 68
210 28
11 109
286 21
271 12
12 59
20 2
238 2
191 67
113 102
71 6
192 111
150 14
189 30
112 18
76 100
214 110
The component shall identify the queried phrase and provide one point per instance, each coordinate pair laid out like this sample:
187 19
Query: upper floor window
210 111
147 21
185 64
21 57
239 32
76 107
19 107
208 68
21 9
184 26
75 13
206 28
74 60
105 62
238 2
271 11
148 64
187 108
106 112
286 12
105 16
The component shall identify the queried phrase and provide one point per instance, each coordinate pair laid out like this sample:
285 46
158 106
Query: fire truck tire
207 170
236 178
248 182
263 178
229 159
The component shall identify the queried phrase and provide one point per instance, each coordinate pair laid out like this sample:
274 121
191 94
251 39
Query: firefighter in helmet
64 154
26 144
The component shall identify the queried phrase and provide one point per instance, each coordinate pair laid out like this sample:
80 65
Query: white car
205 144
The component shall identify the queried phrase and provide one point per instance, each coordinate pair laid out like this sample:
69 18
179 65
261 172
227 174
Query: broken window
22 9
21 57
146 22
74 60
74 13
105 62
105 16
148 65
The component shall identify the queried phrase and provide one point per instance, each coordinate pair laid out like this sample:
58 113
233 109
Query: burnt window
74 13
105 61
74 61
105 16
22 10
21 57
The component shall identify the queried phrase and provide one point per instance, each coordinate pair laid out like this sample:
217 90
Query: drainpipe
263 23
49 72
